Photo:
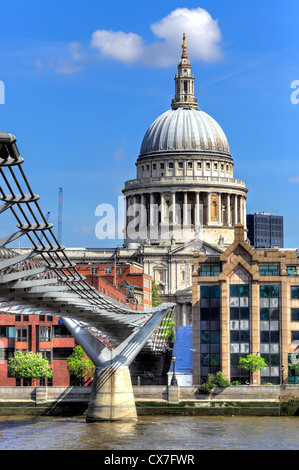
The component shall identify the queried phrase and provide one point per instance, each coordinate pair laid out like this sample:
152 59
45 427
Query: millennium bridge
44 282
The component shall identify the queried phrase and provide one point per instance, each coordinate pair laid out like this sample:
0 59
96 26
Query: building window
180 165
294 337
207 166
46 354
120 270
154 166
60 331
239 329
291 270
213 270
269 333
170 164
294 314
21 333
45 333
269 270
107 270
62 353
190 165
209 330
94 270
199 165
295 292
7 331
162 166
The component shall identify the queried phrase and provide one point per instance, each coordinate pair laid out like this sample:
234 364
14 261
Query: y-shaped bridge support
112 397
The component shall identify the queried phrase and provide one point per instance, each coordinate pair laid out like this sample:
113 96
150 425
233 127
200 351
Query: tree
29 365
252 363
170 334
79 364
155 294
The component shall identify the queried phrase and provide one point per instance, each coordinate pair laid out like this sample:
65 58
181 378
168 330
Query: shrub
221 381
236 383
212 381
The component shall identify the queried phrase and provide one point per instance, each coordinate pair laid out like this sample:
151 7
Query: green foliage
170 335
252 363
294 367
236 383
155 294
214 381
29 365
221 381
79 364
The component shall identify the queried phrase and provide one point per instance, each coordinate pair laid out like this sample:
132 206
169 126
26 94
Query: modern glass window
62 353
21 333
239 329
60 331
209 330
210 270
295 292
45 333
7 331
270 333
294 314
291 270
294 336
269 270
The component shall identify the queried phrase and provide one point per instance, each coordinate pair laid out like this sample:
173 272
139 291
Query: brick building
126 283
246 301
37 333
48 335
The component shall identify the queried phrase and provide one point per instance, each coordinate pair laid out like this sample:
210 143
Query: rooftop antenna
59 231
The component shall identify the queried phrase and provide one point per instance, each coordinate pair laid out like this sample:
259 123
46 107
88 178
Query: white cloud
202 33
126 47
294 179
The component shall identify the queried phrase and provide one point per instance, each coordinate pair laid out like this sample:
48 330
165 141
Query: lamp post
173 379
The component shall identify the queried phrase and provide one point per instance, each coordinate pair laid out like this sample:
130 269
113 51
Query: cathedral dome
184 129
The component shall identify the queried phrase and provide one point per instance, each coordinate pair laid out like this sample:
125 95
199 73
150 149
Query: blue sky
84 80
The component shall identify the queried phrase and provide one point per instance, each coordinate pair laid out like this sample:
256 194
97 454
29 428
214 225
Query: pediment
194 246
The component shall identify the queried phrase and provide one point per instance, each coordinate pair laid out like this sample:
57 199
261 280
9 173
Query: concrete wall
39 395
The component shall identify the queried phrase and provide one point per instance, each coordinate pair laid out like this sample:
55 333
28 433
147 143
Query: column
152 215
185 209
209 209
184 314
228 221
173 216
245 218
143 218
197 209
219 209
236 210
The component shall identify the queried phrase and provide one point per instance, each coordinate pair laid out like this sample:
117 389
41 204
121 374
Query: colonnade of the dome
181 214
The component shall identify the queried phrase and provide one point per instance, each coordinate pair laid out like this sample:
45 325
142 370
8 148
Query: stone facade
245 301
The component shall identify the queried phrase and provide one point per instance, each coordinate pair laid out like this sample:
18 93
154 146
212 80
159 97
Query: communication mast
59 232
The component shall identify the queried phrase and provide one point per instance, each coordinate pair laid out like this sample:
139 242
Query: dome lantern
184 82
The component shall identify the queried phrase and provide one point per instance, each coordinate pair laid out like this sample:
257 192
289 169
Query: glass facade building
265 230
246 301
